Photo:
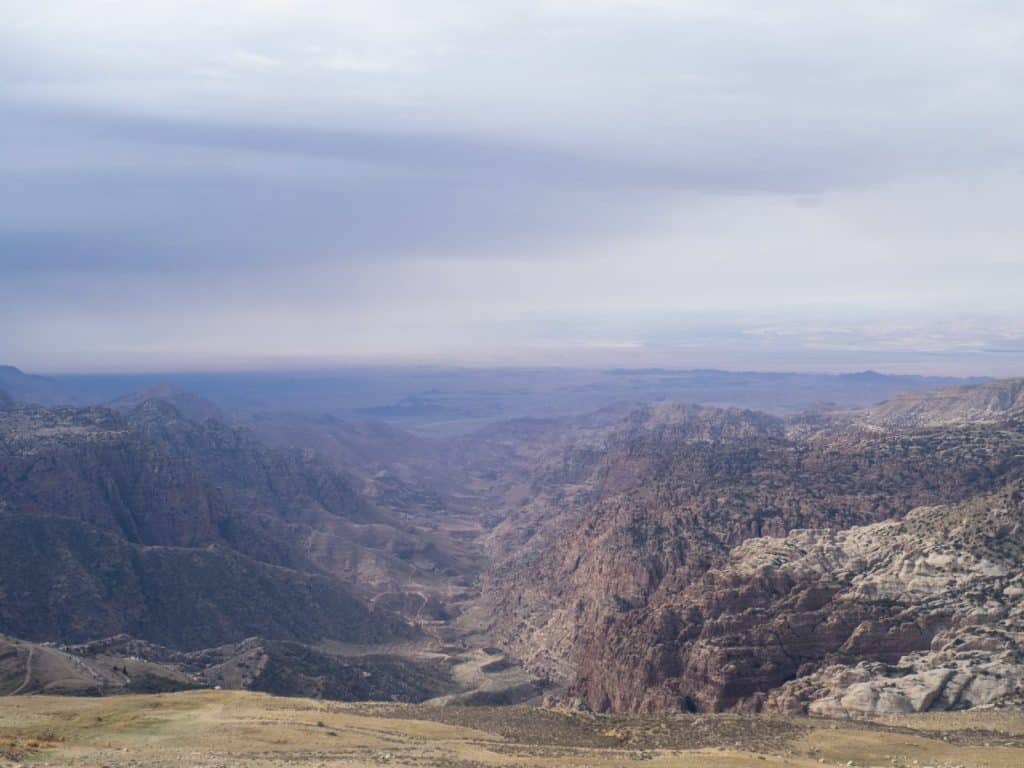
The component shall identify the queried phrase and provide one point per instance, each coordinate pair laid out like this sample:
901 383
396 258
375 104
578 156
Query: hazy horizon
328 367
434 400
616 183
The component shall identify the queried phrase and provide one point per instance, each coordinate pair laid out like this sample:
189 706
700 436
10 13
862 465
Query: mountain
441 402
918 614
28 388
990 401
27 667
190 405
660 557
181 533
122 664
623 518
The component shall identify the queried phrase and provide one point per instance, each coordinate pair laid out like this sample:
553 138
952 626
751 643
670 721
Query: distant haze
746 185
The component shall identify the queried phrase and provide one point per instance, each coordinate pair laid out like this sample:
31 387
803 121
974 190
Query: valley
569 384
642 559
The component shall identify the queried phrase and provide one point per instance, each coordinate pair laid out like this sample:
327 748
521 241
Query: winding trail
28 674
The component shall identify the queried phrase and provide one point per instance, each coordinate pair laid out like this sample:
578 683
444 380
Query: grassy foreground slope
229 728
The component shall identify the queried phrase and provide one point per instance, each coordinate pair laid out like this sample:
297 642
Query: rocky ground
216 729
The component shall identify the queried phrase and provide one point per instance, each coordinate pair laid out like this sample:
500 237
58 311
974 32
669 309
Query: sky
794 185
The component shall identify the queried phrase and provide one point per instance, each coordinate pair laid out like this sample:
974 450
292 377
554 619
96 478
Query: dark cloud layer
183 184
153 190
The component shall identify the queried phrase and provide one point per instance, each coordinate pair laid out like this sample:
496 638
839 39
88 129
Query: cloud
404 179
351 198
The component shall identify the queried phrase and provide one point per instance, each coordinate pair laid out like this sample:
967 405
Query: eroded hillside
636 559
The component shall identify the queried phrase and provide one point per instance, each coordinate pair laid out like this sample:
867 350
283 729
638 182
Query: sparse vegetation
222 728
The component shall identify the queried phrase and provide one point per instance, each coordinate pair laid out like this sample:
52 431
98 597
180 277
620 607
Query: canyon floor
233 728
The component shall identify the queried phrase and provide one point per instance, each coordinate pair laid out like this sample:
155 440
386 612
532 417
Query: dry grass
227 728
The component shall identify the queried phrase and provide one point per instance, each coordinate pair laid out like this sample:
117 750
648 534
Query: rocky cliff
627 518
923 613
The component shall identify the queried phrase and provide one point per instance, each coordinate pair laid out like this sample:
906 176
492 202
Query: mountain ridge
599 552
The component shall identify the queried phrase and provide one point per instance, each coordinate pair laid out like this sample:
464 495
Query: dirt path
28 673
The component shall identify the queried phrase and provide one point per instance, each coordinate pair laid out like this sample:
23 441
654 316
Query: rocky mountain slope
177 532
122 664
923 613
29 388
27 668
663 557
188 404
627 517
990 401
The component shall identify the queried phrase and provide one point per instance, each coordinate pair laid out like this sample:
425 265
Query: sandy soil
215 729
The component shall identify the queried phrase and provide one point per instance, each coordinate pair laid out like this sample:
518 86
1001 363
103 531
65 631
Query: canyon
644 557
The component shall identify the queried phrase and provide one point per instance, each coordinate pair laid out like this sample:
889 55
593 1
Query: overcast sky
743 184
